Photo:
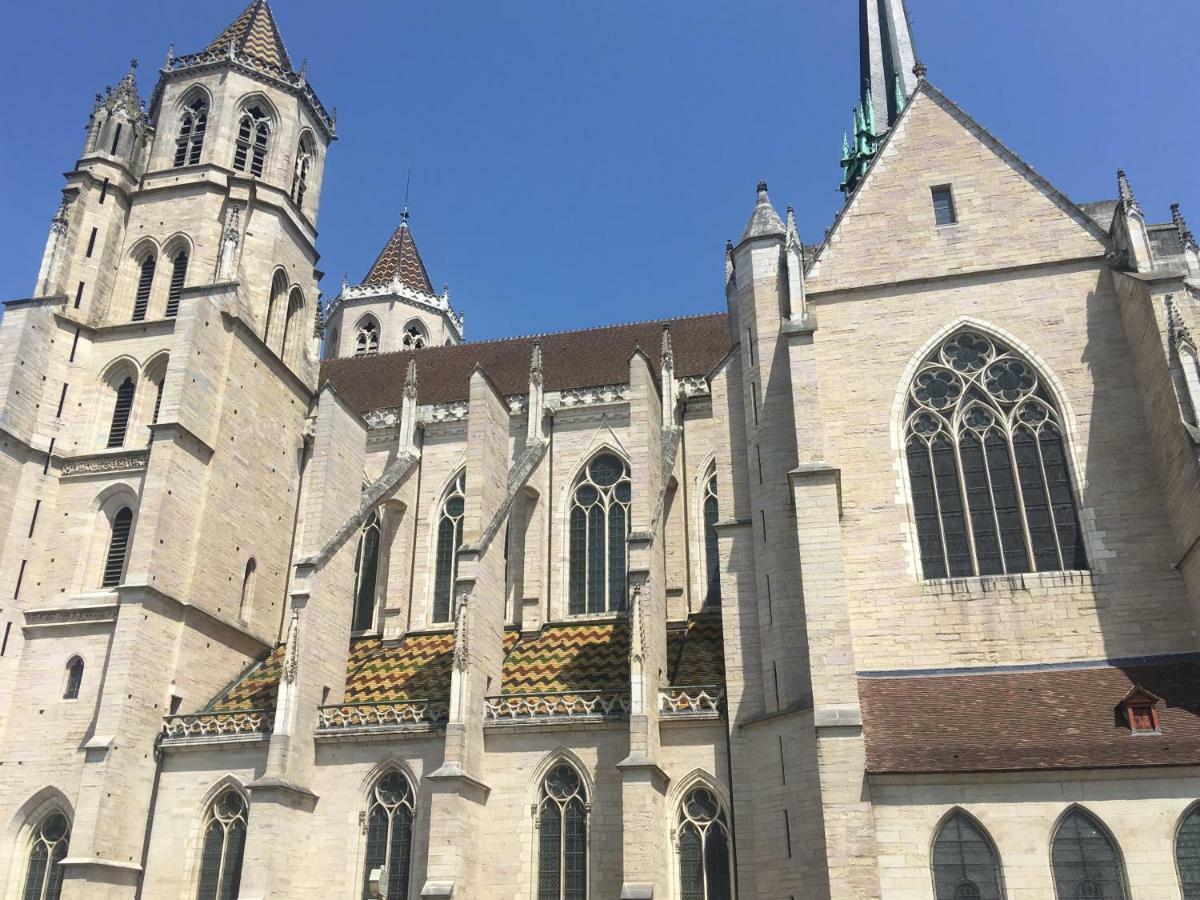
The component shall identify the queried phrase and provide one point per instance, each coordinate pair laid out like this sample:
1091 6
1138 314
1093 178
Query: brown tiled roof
570 359
418 668
400 256
255 33
569 657
696 651
1028 720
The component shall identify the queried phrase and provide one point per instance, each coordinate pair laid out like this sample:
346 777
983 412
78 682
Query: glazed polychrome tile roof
256 688
696 651
255 33
418 668
400 258
569 657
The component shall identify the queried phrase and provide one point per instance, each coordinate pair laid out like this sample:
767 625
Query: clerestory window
449 539
366 575
254 131
599 529
562 831
192 125
702 841
712 558
389 835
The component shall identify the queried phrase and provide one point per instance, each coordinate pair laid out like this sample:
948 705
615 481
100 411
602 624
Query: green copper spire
868 106
845 147
900 98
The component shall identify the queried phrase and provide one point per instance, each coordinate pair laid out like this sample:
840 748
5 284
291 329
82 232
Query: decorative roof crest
1126 195
1185 234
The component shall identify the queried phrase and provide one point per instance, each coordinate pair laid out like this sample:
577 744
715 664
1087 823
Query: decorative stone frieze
592 396
227 727
102 463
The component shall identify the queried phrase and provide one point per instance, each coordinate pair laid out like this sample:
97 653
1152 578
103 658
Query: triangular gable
1008 214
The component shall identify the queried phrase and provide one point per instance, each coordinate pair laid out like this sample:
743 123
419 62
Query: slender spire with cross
888 58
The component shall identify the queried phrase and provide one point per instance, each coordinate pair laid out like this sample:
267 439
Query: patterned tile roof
255 33
255 688
1029 720
696 651
418 668
400 257
568 657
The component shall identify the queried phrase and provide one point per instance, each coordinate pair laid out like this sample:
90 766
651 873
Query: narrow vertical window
141 301
449 539
224 842
295 311
965 865
254 129
304 158
599 529
366 575
389 835
103 192
118 547
1187 854
562 826
279 287
192 126
702 842
712 557
43 877
79 295
944 212
116 141
91 243
366 342
1085 861
74 679
158 392
246 603
121 410
178 276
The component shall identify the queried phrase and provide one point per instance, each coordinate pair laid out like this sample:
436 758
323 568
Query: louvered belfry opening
145 282
118 546
121 412
178 275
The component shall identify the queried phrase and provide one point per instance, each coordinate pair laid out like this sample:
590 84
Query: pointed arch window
118 547
1187 854
987 463
279 286
254 131
712 556
389 834
366 575
304 158
141 300
192 125
599 528
294 311
122 408
178 275
965 866
703 848
449 539
1085 860
562 829
74 679
224 843
414 337
43 877
366 342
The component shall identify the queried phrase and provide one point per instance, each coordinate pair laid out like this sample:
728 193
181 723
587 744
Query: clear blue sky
583 163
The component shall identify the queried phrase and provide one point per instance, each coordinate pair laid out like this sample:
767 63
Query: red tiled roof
254 32
400 256
571 359
1020 721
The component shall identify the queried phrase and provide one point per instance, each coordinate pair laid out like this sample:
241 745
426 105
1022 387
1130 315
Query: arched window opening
599 528
43 878
414 337
449 539
118 546
703 847
224 842
254 129
178 276
304 158
74 679
987 462
192 126
366 343
1187 854
158 392
712 557
141 300
246 604
965 866
389 834
294 311
1085 860
122 409
366 575
562 829
1189 368
279 286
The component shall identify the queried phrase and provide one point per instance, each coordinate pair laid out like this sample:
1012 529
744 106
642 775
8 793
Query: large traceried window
712 557
192 126
702 841
366 341
964 862
562 829
987 461
599 528
1187 854
389 834
43 877
449 539
141 299
1085 860
118 547
366 575
254 130
224 843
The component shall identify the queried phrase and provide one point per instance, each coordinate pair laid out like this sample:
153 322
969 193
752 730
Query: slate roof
400 257
255 33
1028 721
571 359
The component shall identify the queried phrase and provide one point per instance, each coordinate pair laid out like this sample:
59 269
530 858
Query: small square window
943 206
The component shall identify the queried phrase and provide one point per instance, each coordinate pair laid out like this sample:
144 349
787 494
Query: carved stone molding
87 615
593 396
103 463
694 386
455 411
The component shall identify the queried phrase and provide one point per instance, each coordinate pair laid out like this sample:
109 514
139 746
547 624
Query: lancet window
562 828
254 131
1187 854
1085 861
43 877
304 158
987 462
599 528
965 866
74 679
192 126
118 547
703 847
366 575
712 558
122 409
366 342
141 299
224 843
449 539
389 835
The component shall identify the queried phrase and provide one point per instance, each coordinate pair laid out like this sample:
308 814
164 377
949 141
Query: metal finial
762 187
133 63
920 69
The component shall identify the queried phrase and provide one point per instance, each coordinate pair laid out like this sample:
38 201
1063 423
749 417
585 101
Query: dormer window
1139 709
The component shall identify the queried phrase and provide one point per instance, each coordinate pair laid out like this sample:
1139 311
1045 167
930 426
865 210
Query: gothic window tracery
254 131
599 527
366 342
192 125
366 574
562 830
224 843
987 463
118 547
965 866
449 539
414 337
389 834
1187 854
43 877
702 842
712 559
1085 860
304 160
74 679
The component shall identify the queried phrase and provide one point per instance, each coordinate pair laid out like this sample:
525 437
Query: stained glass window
965 866
449 539
1187 855
712 559
562 823
599 529
224 843
702 842
1085 861
366 575
389 834
43 878
987 464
